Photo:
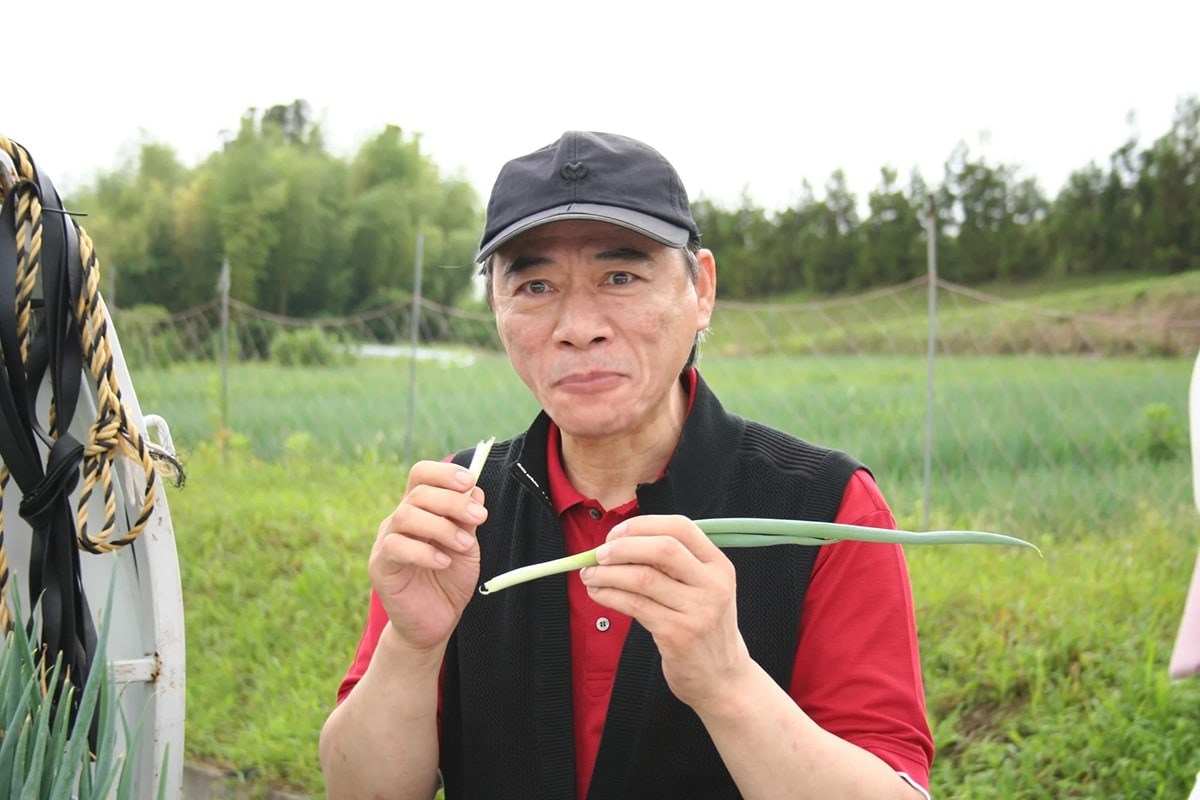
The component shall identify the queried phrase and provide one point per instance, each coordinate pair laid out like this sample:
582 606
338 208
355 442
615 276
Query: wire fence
1018 389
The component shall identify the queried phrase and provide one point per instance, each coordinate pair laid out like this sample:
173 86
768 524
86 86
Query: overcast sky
753 95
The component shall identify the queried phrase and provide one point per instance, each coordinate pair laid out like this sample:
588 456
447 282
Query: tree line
311 234
1140 213
306 233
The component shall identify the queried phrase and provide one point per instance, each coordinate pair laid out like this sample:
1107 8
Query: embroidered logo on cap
574 171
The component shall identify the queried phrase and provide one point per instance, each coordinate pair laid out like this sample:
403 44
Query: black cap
600 176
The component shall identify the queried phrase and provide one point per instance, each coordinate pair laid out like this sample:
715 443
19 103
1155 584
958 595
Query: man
672 669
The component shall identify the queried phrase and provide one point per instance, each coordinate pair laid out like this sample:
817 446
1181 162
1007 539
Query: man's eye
537 287
621 278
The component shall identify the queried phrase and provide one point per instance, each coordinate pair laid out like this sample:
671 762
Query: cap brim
653 227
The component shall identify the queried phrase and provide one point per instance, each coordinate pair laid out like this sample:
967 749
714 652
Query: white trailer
145 643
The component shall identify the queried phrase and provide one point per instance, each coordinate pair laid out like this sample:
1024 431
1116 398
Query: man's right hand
425 562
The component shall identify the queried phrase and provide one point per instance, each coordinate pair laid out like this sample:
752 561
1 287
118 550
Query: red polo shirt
854 661
857 672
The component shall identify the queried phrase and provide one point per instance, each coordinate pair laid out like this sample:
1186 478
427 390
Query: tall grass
1048 680
990 411
1045 678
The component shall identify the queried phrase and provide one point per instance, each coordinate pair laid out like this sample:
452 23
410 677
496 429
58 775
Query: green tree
825 237
197 241
794 242
130 220
250 195
380 246
1123 209
298 274
1077 227
893 245
740 239
293 124
395 192
309 234
1025 235
978 201
995 218
1168 189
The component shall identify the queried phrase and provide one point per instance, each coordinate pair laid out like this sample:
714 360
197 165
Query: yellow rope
29 249
112 434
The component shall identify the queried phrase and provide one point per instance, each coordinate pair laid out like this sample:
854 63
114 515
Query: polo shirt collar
689 480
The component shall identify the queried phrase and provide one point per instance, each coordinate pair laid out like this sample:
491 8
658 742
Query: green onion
480 456
755 532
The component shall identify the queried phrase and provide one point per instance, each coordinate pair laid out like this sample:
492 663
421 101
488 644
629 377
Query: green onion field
1045 677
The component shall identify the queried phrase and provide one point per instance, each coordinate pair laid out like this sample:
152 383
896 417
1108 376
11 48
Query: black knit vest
506 700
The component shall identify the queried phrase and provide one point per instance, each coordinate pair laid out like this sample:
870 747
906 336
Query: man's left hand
665 573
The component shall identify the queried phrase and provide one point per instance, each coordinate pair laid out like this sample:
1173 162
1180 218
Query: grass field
1098 315
1045 678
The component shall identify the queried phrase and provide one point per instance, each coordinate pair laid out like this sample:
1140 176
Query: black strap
54 577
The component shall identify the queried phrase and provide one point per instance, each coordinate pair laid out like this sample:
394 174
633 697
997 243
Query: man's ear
706 286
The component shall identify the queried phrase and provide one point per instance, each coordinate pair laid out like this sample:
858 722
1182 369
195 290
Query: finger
463 508
442 530
447 490
396 552
442 474
663 553
677 527
637 590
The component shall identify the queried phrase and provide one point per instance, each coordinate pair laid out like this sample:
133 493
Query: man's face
599 321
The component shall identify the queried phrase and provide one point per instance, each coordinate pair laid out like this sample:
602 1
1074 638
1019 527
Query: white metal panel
146 640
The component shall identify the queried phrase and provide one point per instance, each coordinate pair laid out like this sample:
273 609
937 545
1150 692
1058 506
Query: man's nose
582 320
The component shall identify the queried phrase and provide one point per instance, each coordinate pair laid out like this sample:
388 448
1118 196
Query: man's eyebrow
524 262
623 254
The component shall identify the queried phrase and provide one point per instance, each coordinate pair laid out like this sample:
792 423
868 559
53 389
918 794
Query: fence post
223 285
931 243
412 362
